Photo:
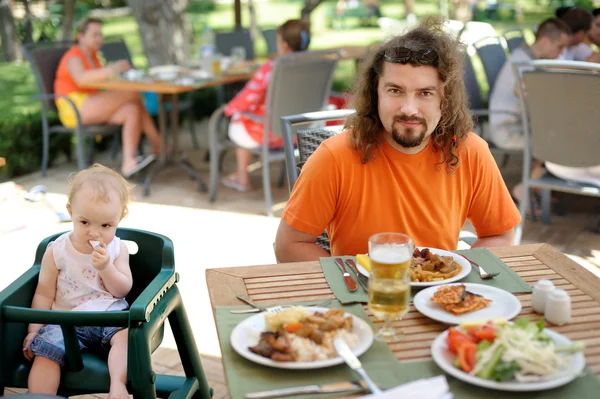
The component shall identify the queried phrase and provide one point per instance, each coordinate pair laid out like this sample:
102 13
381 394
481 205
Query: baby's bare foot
118 391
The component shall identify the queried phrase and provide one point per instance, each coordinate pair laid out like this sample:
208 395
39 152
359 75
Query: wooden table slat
284 278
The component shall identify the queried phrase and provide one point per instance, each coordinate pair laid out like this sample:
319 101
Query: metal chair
225 41
153 299
270 36
514 39
300 82
556 89
44 58
115 48
493 56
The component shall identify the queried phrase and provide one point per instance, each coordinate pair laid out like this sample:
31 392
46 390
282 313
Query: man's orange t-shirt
396 192
64 82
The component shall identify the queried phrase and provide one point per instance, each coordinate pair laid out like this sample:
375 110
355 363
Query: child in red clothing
245 132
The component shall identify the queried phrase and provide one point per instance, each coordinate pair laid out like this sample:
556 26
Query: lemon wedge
364 261
467 324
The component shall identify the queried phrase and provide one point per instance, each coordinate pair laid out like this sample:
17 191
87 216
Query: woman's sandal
141 164
232 183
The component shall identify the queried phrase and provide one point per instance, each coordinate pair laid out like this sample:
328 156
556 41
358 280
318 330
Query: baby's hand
100 257
26 344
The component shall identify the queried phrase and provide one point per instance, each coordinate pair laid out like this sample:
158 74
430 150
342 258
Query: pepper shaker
540 293
558 307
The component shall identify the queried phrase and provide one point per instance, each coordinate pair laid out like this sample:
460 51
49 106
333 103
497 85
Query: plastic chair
555 89
44 58
478 105
300 82
493 56
270 36
225 41
114 49
153 298
514 39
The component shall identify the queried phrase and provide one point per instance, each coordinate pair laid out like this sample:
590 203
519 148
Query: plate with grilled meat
456 303
429 266
300 337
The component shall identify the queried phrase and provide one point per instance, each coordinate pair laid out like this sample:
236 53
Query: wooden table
169 91
304 281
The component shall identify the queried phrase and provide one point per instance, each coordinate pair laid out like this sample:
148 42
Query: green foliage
21 144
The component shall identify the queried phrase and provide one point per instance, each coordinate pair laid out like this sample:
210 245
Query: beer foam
393 254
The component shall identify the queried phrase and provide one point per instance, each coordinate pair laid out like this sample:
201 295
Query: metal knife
350 283
351 360
337 387
362 279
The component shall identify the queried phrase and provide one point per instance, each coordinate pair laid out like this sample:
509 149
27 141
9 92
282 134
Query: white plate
504 304
247 334
465 264
445 360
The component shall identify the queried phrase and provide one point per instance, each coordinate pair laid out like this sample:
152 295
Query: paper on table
430 388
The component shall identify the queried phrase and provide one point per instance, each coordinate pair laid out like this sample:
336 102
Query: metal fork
273 309
482 273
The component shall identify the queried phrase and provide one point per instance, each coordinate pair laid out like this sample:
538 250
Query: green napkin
244 376
507 280
586 386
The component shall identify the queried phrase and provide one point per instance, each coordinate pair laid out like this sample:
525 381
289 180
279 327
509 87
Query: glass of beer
389 284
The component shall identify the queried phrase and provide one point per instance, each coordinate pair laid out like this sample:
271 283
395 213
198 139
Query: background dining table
305 281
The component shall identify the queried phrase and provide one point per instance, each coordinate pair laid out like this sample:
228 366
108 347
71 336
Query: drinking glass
389 284
238 55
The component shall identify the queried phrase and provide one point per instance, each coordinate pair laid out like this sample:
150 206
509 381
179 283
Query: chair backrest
225 41
308 139
44 58
514 39
560 104
114 49
270 36
493 56
300 82
472 88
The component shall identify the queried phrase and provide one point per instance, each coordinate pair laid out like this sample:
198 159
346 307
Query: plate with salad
520 356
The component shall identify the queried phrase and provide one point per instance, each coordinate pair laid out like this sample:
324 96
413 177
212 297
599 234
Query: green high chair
154 297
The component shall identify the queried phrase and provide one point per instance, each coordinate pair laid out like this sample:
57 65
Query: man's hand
26 344
100 257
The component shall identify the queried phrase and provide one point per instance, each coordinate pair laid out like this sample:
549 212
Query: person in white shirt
579 21
506 129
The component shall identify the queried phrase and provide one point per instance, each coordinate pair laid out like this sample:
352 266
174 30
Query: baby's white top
79 286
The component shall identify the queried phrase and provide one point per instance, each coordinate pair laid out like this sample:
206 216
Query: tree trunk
253 22
8 33
309 6
66 30
28 23
163 27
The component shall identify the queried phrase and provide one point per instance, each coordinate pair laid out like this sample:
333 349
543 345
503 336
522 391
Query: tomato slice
467 356
486 333
456 339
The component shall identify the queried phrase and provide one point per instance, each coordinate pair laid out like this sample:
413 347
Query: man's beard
407 138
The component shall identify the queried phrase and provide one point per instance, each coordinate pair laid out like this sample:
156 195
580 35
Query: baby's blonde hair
103 181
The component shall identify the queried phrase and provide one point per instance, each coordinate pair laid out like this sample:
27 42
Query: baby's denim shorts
49 341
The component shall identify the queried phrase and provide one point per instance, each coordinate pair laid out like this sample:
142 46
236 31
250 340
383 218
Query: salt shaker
540 292
558 307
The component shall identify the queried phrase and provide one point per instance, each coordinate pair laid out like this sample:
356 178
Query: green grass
18 86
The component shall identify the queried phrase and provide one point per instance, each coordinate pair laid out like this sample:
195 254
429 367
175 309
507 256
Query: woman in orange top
246 132
80 65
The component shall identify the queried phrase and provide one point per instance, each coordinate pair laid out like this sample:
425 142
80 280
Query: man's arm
292 245
500 240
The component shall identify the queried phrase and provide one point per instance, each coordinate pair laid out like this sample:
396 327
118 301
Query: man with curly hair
406 162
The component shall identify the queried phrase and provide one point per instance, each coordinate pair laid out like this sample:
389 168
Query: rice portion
306 350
